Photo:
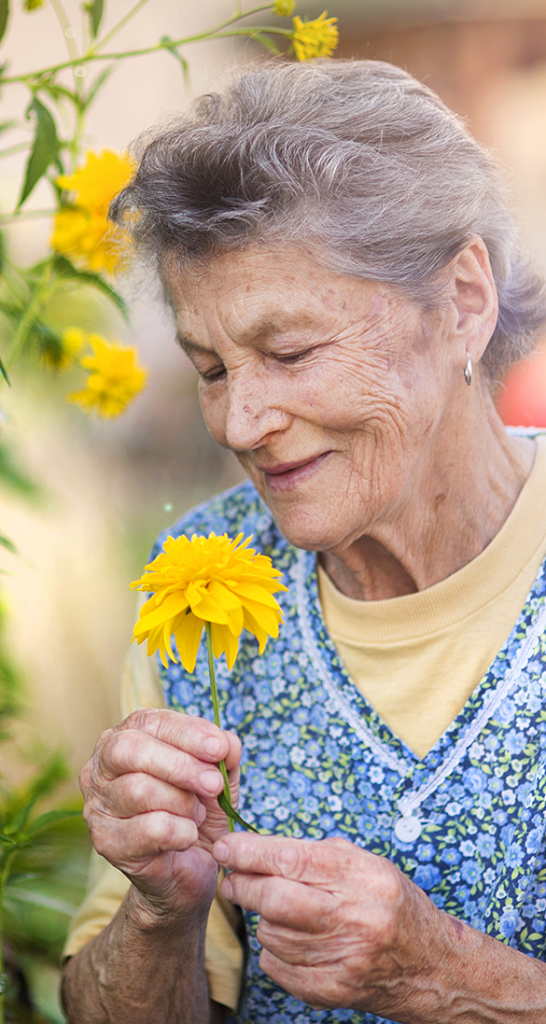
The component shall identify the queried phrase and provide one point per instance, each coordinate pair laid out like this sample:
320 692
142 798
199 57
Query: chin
307 531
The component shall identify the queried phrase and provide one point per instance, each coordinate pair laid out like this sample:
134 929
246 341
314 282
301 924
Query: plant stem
121 24
216 709
4 875
221 31
43 291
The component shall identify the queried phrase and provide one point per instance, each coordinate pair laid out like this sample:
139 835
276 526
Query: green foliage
45 148
65 270
4 17
96 10
16 479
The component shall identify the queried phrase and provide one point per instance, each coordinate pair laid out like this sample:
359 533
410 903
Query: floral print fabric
318 762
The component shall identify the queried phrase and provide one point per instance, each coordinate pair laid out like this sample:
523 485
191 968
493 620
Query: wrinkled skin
409 472
346 404
151 804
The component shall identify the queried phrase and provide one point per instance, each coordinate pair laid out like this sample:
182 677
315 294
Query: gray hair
355 160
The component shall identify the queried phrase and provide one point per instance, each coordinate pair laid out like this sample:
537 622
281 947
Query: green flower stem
224 799
221 31
43 292
4 875
119 25
216 707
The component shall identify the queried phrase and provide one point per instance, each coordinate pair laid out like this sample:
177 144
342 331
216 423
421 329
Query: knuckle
139 790
119 756
292 860
84 778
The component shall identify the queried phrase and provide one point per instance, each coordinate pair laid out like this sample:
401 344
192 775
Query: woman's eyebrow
188 346
261 330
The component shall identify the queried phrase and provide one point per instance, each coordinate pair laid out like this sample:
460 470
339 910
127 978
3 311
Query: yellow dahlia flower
115 378
283 8
317 38
60 353
207 580
82 230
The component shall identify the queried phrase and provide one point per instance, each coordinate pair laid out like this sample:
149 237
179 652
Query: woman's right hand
150 793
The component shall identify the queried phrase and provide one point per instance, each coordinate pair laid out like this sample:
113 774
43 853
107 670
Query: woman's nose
252 415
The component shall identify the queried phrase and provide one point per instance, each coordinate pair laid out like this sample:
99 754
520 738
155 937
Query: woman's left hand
341 927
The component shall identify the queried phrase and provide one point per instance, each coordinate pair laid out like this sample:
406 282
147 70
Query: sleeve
107 887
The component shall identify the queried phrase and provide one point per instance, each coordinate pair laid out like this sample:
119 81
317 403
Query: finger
196 736
297 948
281 901
319 863
137 793
131 750
129 840
305 983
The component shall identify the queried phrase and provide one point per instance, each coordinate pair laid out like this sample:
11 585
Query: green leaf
7 839
266 42
96 9
19 821
15 478
44 148
49 819
5 542
40 899
64 268
232 813
98 84
4 373
6 125
4 17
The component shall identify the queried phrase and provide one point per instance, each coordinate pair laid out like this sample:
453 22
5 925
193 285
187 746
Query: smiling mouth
287 474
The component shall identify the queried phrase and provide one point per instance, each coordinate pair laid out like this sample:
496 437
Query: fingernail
201 814
209 781
211 745
221 852
227 888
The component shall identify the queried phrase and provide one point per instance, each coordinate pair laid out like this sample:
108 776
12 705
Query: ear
474 295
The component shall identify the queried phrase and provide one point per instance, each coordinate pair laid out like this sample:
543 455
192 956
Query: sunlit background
104 489
109 487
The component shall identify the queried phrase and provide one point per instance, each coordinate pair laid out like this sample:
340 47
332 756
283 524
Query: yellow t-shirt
416 659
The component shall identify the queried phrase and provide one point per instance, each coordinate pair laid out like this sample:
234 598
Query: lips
287 467
286 475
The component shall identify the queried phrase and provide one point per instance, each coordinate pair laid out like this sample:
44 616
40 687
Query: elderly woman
345 279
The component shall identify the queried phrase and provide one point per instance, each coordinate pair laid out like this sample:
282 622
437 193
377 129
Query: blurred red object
521 399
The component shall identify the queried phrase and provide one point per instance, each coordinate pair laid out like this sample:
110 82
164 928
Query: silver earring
468 370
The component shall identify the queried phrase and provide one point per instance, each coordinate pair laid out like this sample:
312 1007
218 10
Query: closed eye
213 375
294 356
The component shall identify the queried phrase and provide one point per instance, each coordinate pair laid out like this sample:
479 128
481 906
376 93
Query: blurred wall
113 485
109 486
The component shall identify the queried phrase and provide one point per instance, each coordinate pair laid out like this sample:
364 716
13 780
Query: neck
462 490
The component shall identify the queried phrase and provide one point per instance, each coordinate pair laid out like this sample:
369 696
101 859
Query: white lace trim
411 802
362 730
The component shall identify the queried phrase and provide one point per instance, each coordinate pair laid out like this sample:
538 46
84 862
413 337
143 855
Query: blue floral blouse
466 823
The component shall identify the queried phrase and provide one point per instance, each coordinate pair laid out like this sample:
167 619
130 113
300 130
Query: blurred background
109 487
105 489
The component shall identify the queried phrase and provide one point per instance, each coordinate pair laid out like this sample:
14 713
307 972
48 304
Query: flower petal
188 638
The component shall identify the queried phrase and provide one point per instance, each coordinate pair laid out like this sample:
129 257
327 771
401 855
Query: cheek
213 408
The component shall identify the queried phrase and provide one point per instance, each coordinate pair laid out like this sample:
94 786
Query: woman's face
330 390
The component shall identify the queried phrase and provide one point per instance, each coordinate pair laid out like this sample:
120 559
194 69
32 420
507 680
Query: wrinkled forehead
258 291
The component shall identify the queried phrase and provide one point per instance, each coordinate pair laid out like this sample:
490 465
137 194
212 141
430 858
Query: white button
407 830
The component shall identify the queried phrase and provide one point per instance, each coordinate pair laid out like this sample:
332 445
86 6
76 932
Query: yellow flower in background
82 230
32 5
60 352
317 38
207 580
115 379
283 8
